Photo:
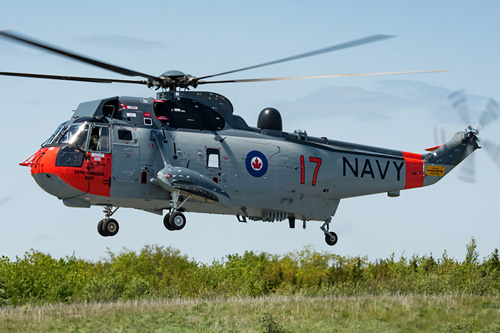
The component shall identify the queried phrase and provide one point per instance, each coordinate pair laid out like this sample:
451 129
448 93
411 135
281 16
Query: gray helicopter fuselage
191 145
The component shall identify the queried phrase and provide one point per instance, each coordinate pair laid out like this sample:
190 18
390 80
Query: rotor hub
174 79
472 133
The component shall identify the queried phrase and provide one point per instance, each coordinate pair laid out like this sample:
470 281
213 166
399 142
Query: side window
213 158
99 139
125 135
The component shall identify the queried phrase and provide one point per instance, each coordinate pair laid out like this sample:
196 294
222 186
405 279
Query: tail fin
445 158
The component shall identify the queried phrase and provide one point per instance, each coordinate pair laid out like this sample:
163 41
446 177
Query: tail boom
441 161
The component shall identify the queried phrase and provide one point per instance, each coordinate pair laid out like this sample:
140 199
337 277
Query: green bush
157 272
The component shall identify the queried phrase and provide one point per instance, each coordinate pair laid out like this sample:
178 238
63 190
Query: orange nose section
88 174
45 157
46 175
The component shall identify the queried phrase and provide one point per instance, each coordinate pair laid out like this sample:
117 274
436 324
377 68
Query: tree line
163 272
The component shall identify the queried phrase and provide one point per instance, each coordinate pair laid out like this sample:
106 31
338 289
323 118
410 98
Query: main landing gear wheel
108 227
166 222
177 221
331 238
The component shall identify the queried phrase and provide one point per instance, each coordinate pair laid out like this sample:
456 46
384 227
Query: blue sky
200 38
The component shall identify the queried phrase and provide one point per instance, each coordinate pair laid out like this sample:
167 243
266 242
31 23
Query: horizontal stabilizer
433 148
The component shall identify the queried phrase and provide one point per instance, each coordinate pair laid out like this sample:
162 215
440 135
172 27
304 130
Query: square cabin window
213 158
125 135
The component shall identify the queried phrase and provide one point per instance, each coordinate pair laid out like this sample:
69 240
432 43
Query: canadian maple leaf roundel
256 163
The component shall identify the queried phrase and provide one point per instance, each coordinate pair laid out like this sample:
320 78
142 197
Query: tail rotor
491 113
468 170
458 100
493 151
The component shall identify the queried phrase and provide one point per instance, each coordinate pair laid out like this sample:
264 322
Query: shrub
159 272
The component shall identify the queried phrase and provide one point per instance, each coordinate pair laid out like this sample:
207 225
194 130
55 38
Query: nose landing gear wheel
99 228
108 227
177 221
331 238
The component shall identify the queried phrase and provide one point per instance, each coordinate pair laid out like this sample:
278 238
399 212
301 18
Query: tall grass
403 313
157 273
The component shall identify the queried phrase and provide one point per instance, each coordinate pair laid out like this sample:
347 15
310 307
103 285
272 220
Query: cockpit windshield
76 136
55 136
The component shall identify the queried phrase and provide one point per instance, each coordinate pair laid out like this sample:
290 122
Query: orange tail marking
414 170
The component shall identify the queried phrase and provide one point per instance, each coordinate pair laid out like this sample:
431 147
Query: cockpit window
76 136
55 136
99 139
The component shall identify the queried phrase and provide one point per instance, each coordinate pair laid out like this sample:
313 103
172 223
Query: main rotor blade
357 42
321 76
68 54
72 78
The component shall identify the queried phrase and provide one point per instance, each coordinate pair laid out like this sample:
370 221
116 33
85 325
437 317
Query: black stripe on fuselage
347 147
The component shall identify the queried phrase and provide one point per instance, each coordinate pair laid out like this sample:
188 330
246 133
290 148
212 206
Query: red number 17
316 160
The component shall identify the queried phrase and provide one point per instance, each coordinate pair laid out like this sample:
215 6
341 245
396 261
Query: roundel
256 163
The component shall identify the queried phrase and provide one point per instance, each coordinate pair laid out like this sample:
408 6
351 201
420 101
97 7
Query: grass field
446 313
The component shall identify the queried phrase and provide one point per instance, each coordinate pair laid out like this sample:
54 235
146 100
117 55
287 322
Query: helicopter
186 151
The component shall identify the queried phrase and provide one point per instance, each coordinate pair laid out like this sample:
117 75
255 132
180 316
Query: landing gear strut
174 219
331 238
108 226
